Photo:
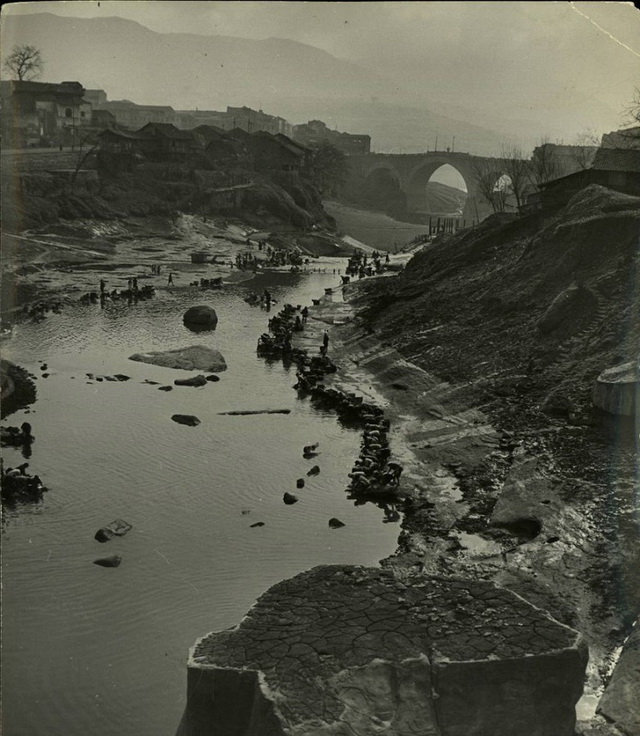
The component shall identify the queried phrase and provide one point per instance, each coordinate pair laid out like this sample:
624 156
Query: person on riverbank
134 284
103 283
305 314
325 342
170 280
267 299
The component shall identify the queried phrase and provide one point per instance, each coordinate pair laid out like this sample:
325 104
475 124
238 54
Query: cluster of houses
67 114
205 147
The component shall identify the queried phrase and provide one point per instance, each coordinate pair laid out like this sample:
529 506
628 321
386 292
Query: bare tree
25 62
516 167
583 150
629 135
544 164
486 175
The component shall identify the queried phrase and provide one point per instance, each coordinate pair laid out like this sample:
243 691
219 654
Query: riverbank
485 354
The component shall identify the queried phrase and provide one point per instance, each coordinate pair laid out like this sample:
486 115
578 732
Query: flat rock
336 523
213 378
342 649
165 388
188 419
117 528
193 381
193 358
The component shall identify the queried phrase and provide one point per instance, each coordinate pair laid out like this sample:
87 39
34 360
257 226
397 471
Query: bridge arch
420 175
447 200
383 189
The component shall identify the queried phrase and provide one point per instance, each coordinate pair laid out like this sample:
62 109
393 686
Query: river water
374 228
92 650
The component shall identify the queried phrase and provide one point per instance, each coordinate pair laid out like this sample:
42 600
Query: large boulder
363 651
201 316
194 358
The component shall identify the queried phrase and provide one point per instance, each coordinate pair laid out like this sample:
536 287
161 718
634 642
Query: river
373 228
92 650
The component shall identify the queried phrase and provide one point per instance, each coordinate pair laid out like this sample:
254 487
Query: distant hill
283 77
445 200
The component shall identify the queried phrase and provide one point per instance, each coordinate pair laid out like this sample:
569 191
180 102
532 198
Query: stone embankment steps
343 649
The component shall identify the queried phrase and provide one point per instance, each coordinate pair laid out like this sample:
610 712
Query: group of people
359 265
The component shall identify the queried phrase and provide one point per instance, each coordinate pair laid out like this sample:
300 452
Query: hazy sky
515 60
594 45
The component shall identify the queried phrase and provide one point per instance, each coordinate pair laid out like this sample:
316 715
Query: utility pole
436 149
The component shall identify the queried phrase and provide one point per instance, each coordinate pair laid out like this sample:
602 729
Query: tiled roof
168 130
617 159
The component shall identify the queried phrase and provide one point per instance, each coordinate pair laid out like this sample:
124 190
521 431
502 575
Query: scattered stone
112 561
289 498
314 470
336 523
110 378
151 383
165 388
98 378
194 381
122 377
117 528
252 412
258 523
202 316
300 483
194 358
213 378
46 375
188 419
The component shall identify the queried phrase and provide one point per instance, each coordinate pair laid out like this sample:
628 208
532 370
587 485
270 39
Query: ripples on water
89 650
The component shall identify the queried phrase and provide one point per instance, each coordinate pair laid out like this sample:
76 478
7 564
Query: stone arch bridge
410 172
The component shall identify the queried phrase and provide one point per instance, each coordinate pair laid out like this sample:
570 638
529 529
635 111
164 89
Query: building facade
43 113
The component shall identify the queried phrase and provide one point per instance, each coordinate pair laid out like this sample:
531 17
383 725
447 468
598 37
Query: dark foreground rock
117 528
17 388
194 358
344 649
187 419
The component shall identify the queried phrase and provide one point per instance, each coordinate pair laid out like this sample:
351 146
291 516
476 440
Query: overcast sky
515 59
